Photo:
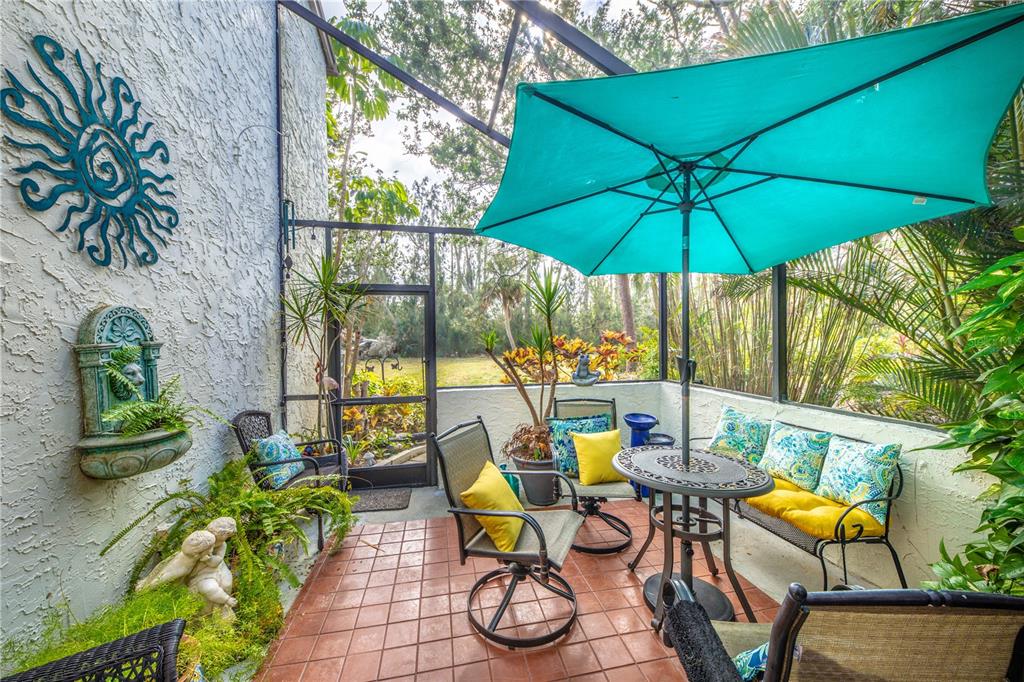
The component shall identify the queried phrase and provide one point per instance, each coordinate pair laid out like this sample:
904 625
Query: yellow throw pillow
594 452
491 491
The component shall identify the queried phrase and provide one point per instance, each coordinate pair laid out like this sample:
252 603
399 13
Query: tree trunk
626 304
506 313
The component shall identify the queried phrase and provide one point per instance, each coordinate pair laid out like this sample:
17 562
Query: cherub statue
180 565
200 564
583 376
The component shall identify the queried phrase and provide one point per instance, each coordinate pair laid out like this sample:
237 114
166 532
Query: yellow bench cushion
812 514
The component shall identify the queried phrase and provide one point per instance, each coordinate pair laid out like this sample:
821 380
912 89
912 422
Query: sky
384 149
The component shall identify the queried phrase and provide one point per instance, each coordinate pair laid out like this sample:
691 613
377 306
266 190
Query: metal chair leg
518 573
650 535
591 507
319 532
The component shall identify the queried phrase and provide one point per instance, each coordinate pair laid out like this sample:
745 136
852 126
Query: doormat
383 499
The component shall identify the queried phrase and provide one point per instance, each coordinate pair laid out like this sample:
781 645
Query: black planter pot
540 490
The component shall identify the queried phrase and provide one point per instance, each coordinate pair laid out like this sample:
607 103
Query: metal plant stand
703 475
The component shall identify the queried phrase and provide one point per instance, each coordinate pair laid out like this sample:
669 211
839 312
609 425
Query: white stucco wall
203 71
936 504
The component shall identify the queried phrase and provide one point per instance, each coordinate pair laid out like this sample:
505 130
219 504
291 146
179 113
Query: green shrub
268 522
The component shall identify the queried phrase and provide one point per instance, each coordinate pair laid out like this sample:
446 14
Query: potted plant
536 360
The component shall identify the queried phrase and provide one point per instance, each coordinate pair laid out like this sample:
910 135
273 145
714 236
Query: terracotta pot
540 490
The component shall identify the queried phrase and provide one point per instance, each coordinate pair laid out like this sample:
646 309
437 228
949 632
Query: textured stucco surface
203 71
935 504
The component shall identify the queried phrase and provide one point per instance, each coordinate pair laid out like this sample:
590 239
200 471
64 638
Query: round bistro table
708 475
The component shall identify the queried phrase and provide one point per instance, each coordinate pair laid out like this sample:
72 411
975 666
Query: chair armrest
556 474
860 529
697 644
333 441
527 519
306 462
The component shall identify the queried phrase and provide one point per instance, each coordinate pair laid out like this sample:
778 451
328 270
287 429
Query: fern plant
168 412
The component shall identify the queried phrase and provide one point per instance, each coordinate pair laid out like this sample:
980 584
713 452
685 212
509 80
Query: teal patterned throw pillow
274 449
855 472
563 449
795 454
752 662
740 435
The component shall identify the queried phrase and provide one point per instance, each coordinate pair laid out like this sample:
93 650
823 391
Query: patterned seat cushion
562 448
854 472
740 435
795 454
274 449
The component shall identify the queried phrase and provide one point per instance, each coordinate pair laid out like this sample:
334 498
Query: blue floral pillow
740 435
855 472
752 662
562 448
795 454
274 449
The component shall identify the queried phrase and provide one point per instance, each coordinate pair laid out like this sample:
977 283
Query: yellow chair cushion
492 492
814 515
594 451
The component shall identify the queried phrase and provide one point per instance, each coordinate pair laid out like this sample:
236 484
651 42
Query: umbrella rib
722 223
708 198
626 233
600 124
884 77
644 196
846 183
590 195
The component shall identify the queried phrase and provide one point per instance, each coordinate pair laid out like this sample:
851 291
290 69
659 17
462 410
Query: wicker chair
591 496
150 655
253 425
852 635
544 542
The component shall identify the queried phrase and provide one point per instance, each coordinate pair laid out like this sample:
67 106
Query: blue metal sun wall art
91 146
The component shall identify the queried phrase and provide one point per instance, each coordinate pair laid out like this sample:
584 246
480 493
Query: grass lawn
475 370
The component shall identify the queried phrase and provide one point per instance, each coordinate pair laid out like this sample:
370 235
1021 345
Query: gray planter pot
540 490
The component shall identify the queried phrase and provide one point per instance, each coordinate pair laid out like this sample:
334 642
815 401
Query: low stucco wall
936 504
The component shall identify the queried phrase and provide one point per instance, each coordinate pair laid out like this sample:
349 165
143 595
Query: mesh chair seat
617 490
559 528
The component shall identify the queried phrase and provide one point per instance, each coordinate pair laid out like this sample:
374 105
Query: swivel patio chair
591 496
544 541
254 425
855 634
150 655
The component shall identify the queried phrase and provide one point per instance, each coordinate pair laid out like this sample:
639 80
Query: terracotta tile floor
391 605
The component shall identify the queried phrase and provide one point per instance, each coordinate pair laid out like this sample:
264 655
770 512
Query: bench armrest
697 644
839 530
527 519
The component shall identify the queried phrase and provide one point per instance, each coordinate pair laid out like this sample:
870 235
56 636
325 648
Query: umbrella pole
686 208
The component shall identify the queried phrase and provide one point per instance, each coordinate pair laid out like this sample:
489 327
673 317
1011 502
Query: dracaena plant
994 437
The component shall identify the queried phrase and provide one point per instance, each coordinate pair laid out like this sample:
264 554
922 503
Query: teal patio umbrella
736 166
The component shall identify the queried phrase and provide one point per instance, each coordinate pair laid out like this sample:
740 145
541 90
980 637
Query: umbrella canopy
753 162
791 152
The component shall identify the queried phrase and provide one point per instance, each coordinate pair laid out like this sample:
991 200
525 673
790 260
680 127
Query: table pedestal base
710 597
